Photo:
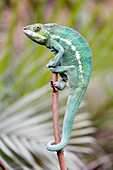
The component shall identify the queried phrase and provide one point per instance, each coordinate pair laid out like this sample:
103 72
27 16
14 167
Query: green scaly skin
72 61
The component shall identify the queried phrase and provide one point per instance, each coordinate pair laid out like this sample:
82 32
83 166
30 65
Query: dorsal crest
50 25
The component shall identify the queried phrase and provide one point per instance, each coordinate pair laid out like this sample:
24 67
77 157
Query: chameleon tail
73 103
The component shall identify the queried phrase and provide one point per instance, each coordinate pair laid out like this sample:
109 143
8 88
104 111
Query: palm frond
25 133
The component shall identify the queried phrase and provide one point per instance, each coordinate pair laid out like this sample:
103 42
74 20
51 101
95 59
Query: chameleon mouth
32 34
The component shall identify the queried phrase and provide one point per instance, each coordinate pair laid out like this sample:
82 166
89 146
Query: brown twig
2 166
60 154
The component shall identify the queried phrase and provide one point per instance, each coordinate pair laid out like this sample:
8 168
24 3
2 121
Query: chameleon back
76 50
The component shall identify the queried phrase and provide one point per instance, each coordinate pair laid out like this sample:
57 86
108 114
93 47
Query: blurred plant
26 127
25 113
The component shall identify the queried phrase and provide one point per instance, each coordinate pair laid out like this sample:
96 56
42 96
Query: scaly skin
72 61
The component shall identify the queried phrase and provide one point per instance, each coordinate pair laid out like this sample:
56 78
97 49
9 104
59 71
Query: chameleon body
73 61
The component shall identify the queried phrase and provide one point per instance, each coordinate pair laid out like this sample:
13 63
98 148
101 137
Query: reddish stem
2 166
60 154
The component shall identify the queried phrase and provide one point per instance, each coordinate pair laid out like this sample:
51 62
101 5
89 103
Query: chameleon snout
25 28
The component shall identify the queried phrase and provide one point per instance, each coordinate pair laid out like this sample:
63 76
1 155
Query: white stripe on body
74 49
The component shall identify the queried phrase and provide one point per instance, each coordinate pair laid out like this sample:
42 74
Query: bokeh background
25 93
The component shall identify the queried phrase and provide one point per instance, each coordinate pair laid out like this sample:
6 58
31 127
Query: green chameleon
73 61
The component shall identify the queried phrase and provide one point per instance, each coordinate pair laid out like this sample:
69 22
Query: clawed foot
60 85
53 86
57 85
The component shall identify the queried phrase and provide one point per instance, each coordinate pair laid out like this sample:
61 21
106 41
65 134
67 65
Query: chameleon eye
38 28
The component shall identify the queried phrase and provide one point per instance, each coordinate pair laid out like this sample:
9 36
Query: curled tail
73 103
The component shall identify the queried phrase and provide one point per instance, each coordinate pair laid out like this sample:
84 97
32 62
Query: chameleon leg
57 47
61 69
70 72
60 84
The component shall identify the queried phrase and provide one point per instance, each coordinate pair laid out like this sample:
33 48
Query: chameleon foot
57 85
60 85
52 85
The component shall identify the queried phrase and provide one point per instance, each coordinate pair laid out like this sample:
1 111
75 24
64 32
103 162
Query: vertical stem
60 154
2 166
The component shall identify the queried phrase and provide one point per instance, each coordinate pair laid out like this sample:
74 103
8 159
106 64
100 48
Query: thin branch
60 154
2 166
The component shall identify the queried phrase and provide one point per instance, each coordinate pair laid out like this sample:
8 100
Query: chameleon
73 61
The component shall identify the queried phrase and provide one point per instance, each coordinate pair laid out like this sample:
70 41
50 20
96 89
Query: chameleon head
37 33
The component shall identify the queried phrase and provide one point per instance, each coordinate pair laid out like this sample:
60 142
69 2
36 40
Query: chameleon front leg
60 53
62 69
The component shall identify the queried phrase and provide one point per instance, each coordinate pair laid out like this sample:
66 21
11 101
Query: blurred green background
25 93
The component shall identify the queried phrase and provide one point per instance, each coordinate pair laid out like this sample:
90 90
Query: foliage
25 96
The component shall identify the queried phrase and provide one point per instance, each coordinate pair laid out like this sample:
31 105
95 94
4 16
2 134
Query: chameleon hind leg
60 85
70 72
62 69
